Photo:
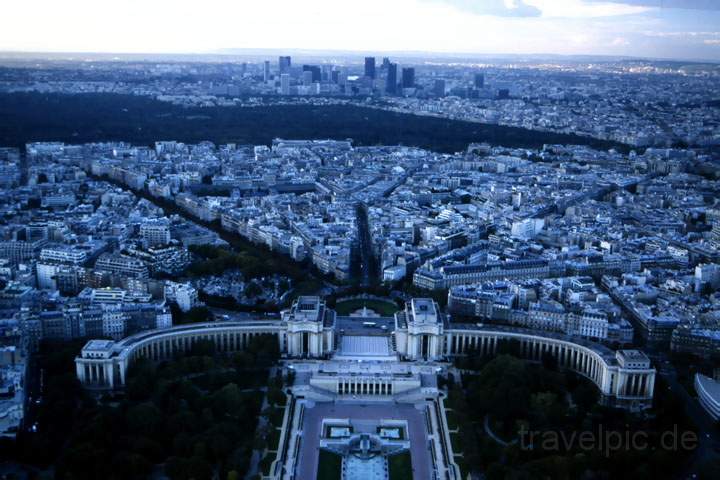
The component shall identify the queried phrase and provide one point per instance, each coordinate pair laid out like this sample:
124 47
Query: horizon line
259 51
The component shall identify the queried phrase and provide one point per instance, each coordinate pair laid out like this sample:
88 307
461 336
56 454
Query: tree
252 289
502 388
549 361
496 472
129 465
176 468
265 348
82 460
710 468
228 401
585 396
149 448
197 315
141 379
243 360
220 446
182 444
275 396
144 418
545 409
290 378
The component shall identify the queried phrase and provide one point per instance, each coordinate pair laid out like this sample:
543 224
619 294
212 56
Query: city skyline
648 29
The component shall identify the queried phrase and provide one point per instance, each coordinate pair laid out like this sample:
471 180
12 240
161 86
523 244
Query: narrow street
368 263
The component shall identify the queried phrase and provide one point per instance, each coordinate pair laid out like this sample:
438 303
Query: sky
678 29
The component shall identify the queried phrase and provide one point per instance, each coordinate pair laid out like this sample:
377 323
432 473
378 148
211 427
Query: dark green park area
329 466
400 466
193 417
81 118
541 412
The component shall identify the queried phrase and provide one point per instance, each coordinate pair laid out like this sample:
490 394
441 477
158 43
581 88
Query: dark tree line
142 120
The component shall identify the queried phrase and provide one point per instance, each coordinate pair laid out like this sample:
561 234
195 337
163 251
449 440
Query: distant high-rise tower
342 76
284 64
386 62
326 72
266 71
307 78
439 87
285 83
370 67
479 80
392 80
408 77
315 70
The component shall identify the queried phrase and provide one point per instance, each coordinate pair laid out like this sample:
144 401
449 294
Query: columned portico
622 381
103 364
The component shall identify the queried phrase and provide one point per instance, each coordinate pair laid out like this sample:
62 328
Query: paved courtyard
312 423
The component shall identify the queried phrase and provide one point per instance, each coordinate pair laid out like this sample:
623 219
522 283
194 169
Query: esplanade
421 336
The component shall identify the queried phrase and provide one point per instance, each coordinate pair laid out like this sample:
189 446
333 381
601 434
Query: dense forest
28 117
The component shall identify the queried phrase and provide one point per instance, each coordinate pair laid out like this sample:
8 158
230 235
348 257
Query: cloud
683 4
712 41
680 34
495 8
583 9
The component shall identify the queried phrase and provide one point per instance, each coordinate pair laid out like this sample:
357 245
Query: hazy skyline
645 28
